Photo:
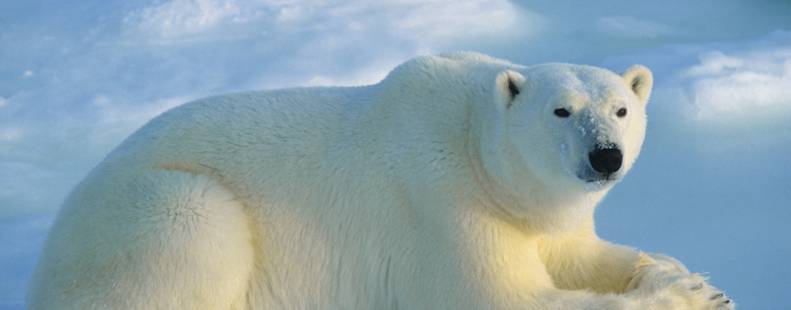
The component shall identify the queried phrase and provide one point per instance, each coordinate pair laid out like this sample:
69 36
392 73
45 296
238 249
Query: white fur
434 189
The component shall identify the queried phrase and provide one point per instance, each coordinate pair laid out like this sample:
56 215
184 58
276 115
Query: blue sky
712 186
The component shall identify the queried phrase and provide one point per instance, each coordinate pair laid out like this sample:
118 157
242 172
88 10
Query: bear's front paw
664 283
691 292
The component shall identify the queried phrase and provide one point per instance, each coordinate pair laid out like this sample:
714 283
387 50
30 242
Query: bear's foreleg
581 261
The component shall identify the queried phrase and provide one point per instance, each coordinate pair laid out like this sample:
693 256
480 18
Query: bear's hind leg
158 240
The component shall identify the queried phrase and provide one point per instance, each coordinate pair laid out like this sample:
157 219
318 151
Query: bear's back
275 123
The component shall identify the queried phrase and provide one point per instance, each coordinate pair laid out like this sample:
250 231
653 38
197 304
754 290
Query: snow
738 85
711 188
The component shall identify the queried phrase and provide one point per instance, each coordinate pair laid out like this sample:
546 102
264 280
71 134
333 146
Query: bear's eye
562 113
621 112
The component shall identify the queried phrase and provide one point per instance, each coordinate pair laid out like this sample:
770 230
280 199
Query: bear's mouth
598 179
598 183
601 178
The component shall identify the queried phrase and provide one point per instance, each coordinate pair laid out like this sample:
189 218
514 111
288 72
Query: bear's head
562 134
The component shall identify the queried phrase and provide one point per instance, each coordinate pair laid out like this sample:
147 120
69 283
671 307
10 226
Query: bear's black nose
606 160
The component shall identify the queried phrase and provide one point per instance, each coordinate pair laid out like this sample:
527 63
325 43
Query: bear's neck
420 126
533 205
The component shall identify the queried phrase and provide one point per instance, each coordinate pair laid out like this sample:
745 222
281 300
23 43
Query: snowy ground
712 187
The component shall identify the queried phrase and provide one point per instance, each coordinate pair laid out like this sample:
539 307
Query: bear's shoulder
437 67
474 57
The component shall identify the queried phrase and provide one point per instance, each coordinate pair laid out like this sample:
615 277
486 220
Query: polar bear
460 181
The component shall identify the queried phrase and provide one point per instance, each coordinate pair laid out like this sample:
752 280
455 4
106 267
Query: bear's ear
640 80
508 85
